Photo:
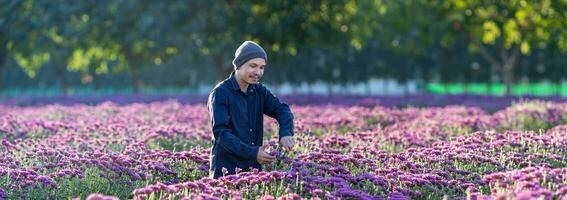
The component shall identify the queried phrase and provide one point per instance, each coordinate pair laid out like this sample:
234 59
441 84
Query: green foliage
92 182
177 143
144 41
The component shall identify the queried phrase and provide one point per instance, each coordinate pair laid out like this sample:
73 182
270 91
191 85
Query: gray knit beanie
247 51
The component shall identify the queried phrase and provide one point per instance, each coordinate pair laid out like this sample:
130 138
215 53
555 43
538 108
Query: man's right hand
263 157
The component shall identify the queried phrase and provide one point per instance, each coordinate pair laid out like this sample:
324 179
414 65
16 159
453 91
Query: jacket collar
234 84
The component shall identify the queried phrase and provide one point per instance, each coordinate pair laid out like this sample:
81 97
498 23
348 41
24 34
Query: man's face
251 71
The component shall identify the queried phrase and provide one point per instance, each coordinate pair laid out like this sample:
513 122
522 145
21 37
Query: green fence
538 89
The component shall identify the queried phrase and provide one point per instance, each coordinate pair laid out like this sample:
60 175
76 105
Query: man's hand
263 157
287 142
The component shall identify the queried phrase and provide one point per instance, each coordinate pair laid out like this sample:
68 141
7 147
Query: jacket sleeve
223 133
274 108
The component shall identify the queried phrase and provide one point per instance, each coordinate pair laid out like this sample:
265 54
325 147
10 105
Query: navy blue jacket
237 120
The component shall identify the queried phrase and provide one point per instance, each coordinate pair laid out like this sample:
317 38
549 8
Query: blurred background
366 47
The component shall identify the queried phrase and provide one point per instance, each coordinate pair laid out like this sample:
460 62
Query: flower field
160 150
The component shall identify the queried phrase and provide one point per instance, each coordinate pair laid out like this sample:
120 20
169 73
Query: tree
13 30
503 31
282 27
141 33
45 33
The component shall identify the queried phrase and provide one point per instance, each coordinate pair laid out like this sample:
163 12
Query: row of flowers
160 150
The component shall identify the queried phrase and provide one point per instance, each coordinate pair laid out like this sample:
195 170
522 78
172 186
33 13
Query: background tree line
183 43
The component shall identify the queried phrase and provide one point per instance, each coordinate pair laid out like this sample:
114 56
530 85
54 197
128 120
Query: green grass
177 143
92 182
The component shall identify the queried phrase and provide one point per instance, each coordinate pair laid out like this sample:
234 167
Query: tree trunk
96 82
420 81
1 72
136 81
557 88
135 66
465 82
508 78
557 80
506 64
1 78
63 82
560 89
509 62
3 58
406 78
60 69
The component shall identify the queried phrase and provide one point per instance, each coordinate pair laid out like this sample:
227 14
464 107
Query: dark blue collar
235 86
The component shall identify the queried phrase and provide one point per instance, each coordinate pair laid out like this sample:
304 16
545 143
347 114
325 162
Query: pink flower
171 189
290 196
101 197
316 191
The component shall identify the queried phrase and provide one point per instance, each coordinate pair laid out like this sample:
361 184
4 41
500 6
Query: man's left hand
287 142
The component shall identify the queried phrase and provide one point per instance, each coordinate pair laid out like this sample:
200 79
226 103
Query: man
237 106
